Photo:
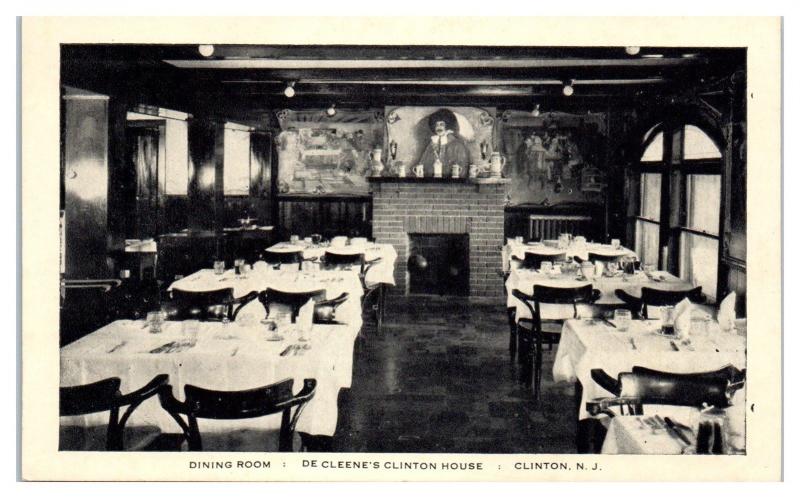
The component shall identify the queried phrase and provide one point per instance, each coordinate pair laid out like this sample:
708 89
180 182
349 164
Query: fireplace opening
439 264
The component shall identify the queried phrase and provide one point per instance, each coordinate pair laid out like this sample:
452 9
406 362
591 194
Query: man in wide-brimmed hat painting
446 145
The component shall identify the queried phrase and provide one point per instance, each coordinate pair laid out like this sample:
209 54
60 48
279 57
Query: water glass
615 243
190 328
546 267
667 314
154 321
294 239
219 267
612 267
238 266
622 319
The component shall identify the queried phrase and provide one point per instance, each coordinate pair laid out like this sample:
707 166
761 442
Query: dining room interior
403 249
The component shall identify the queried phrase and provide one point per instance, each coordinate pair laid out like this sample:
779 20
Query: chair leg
193 436
285 441
525 356
512 340
537 369
114 431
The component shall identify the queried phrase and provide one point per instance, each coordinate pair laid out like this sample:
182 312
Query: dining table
587 344
262 277
517 249
227 356
382 272
524 280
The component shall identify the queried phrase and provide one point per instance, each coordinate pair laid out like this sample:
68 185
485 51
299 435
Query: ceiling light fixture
331 112
568 89
535 112
632 50
206 50
289 90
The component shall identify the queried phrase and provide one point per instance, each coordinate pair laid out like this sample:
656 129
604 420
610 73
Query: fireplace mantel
470 206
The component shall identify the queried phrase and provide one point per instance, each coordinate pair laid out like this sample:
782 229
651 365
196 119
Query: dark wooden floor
439 379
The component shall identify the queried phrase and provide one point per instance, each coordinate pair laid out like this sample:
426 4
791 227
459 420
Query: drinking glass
238 266
622 319
219 267
667 320
612 267
154 321
615 243
190 328
294 239
648 268
546 267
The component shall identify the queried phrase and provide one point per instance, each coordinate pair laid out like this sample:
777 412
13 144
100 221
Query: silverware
607 322
633 343
117 346
287 350
673 431
674 346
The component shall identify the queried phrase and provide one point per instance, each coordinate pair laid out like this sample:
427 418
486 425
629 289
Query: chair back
251 403
229 405
605 258
104 395
333 260
96 397
293 300
659 297
533 260
674 389
205 306
283 257
325 311
543 294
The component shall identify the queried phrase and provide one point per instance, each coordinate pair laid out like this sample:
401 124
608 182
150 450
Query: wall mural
453 135
321 154
554 157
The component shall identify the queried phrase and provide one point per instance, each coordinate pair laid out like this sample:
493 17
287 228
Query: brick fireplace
443 206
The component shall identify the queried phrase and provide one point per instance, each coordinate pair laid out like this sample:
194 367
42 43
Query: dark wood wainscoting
327 215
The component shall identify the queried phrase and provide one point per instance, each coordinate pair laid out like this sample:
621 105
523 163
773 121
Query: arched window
679 203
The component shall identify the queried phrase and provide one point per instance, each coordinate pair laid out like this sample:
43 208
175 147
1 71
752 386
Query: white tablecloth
334 283
224 357
518 249
629 435
380 273
524 280
588 344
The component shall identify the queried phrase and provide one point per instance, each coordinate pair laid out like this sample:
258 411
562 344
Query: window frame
674 170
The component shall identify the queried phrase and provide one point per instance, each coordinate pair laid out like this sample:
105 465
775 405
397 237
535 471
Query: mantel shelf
430 179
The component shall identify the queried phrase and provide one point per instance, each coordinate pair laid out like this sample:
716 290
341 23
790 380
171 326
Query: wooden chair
374 295
104 395
658 297
530 333
231 405
293 300
216 305
643 386
533 261
280 258
604 258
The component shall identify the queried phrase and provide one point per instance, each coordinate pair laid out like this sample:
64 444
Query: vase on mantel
376 162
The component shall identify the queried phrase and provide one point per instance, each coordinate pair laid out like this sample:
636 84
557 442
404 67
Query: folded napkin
683 318
727 312
306 315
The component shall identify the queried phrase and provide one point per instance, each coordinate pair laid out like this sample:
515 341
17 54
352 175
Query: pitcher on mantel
496 164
